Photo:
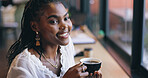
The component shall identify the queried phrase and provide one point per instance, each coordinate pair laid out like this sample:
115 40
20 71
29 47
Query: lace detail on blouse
26 65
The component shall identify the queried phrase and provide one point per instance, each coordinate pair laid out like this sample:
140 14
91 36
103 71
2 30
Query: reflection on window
145 53
94 16
120 23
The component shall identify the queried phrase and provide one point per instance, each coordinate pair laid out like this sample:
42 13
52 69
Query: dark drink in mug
92 64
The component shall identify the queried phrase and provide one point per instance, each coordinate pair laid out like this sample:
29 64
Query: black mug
92 64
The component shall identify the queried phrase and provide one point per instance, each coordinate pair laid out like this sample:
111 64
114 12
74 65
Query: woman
44 49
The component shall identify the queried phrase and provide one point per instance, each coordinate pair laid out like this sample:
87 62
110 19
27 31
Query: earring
37 39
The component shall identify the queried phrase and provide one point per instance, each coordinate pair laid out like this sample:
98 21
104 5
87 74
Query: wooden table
110 68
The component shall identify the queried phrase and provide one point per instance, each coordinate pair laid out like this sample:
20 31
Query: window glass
120 23
94 16
145 50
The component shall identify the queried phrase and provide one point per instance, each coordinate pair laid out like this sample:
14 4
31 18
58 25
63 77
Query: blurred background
121 25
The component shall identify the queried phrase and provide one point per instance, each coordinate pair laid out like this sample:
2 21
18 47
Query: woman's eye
66 18
53 22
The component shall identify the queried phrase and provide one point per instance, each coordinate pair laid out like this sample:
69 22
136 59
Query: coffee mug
92 64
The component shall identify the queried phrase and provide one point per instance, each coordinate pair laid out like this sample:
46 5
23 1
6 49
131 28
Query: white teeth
64 34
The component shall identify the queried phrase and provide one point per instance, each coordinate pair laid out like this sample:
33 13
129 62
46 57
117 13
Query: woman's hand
97 74
76 72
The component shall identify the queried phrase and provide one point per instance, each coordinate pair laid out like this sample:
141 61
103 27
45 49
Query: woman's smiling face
54 25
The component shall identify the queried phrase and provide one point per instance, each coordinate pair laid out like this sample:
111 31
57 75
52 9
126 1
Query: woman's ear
34 26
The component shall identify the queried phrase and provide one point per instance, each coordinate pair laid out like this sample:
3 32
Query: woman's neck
50 51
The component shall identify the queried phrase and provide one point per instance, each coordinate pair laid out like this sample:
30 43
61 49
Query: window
120 23
145 50
94 14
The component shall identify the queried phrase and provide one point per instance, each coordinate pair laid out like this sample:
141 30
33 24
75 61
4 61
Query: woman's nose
63 26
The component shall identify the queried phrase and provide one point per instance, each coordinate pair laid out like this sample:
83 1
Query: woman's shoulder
25 59
23 65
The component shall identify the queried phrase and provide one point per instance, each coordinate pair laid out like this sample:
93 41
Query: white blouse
26 65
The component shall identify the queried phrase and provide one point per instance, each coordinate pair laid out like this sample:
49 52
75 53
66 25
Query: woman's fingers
82 68
77 65
78 70
84 74
98 74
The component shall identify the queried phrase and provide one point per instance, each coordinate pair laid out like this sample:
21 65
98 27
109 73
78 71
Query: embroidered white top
26 65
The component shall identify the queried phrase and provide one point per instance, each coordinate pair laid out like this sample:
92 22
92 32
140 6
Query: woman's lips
63 35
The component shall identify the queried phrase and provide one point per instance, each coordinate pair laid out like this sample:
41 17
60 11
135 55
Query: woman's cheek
70 25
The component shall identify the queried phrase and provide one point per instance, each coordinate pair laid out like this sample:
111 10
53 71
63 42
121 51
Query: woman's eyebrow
66 13
55 16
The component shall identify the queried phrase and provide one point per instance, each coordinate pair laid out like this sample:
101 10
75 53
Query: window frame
137 70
